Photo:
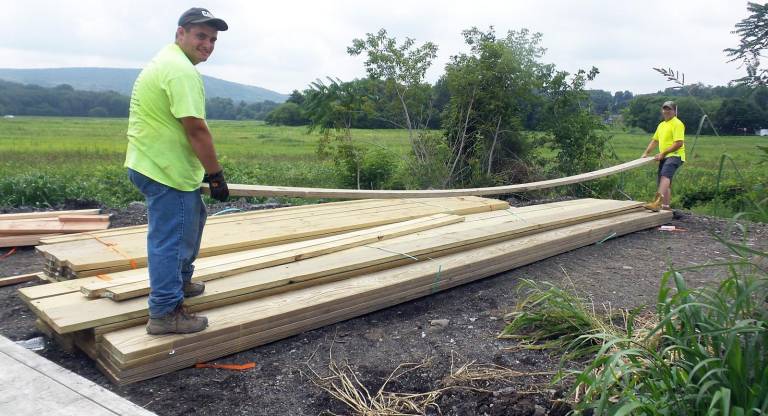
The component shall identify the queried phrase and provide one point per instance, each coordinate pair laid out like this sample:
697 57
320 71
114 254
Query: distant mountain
121 80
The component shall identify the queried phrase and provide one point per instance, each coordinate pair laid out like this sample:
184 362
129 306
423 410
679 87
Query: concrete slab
30 385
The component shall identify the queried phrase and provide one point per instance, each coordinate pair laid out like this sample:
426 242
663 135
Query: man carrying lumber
170 149
669 136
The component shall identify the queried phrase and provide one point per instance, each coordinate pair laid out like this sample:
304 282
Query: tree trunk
493 145
462 139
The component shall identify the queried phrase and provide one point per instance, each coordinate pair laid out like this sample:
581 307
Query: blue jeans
176 221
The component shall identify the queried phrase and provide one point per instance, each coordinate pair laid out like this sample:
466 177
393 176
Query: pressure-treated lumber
130 284
23 240
283 213
99 282
286 191
72 312
61 224
130 355
12 280
98 255
47 214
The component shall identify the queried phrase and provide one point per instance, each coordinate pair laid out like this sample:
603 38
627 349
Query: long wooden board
61 224
110 279
23 240
129 251
283 213
130 284
12 280
264 190
135 356
47 214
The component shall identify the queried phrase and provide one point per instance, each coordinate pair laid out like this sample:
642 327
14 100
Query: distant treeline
733 110
63 100
737 109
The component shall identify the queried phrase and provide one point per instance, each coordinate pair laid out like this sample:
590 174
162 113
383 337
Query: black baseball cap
199 15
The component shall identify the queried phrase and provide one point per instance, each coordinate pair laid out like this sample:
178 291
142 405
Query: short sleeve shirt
669 132
168 89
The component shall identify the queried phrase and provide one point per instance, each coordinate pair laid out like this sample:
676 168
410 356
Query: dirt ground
623 271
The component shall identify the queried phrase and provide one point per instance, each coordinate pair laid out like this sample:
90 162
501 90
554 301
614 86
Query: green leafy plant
712 358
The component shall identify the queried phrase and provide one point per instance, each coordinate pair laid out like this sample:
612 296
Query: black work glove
218 186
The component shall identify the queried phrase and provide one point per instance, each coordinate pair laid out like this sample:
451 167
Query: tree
296 97
739 116
333 108
491 91
601 101
287 114
574 133
753 33
403 67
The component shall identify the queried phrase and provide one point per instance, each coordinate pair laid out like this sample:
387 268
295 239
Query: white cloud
284 45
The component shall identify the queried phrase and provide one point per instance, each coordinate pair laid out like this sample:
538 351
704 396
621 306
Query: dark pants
668 167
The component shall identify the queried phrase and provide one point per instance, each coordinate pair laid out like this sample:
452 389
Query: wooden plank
237 327
12 280
72 312
83 218
45 214
264 190
130 251
23 240
103 280
136 283
49 226
298 211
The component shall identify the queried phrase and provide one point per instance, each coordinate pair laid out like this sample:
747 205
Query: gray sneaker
192 289
178 321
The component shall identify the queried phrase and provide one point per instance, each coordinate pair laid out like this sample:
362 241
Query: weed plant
551 318
712 358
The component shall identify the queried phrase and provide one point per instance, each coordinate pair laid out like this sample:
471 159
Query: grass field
44 161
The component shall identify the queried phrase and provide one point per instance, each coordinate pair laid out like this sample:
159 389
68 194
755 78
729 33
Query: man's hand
659 157
218 185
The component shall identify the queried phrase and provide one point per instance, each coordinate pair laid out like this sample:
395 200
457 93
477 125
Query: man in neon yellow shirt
670 138
170 150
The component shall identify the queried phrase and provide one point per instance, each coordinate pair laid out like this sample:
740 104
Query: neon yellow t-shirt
168 89
669 132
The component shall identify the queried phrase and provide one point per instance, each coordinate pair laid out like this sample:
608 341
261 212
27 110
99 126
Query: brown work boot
178 321
192 289
655 205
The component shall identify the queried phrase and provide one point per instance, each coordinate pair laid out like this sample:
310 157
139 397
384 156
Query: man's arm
650 147
202 143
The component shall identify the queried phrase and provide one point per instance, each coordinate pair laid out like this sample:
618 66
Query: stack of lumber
27 229
323 268
115 250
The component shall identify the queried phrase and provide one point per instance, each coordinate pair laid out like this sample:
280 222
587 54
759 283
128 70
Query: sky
286 44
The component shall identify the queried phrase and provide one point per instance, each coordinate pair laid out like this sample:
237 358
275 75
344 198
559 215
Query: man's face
667 113
197 43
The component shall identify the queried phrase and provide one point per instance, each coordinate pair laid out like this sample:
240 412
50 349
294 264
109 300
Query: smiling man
170 150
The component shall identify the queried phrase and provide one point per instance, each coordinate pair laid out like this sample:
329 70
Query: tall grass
712 358
707 355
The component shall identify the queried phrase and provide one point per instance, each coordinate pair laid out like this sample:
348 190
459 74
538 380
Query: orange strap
113 247
234 367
